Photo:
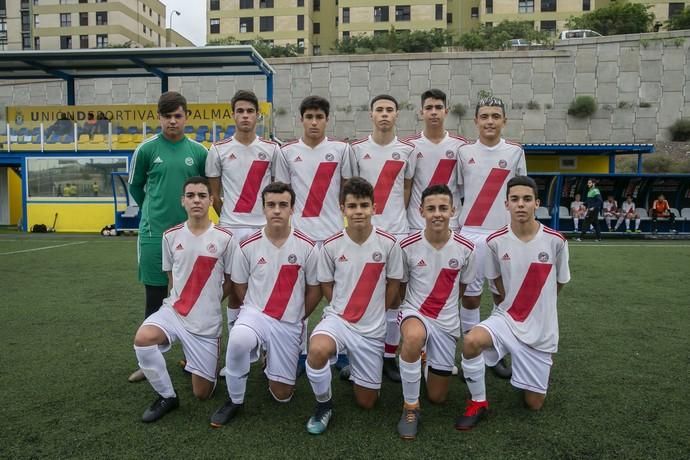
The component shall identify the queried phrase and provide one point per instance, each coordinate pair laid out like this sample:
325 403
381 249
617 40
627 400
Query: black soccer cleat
345 373
474 412
502 369
159 408
391 370
225 413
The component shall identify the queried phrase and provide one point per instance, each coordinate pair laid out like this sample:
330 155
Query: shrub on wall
582 107
680 130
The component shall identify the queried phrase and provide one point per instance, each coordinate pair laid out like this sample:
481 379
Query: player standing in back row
388 163
484 169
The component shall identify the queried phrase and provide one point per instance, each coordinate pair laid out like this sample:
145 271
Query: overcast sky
192 22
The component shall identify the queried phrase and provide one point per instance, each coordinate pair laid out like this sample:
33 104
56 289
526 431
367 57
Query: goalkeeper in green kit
160 166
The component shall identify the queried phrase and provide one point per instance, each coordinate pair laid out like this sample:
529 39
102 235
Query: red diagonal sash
282 291
438 297
252 184
361 294
201 272
319 188
530 290
486 197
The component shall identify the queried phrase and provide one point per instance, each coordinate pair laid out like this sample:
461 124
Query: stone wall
641 83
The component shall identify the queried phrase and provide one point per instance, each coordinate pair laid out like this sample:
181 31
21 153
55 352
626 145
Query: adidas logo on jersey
342 258
232 157
471 162
179 247
421 263
262 261
298 159
157 160
366 157
419 155
505 257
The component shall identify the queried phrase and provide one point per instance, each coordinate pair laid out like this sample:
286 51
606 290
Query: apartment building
74 24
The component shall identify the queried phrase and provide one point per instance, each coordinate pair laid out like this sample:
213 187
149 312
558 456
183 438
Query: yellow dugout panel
15 188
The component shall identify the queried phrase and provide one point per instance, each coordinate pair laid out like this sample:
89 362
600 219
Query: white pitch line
44 247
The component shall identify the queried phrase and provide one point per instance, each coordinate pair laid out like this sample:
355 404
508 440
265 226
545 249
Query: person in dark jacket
594 203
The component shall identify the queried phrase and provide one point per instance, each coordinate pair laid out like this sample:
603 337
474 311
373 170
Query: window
489 6
101 1
37 43
215 26
101 18
525 6
83 41
346 15
215 5
83 1
265 3
37 21
380 14
300 43
489 25
101 40
317 27
548 26
266 24
439 12
474 12
403 13
83 19
246 25
46 177
3 7
144 29
317 5
674 9
66 42
26 21
35 2
346 35
300 22
26 41
548 5
337 19
380 32
300 3
586 5
246 4
65 20
449 18
317 50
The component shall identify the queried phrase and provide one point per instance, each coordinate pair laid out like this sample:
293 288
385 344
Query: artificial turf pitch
69 310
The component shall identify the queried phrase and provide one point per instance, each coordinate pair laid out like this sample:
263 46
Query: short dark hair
357 187
434 94
278 187
522 180
197 180
383 97
490 101
315 103
171 101
440 189
244 95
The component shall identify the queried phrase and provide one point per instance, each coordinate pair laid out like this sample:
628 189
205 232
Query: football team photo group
397 237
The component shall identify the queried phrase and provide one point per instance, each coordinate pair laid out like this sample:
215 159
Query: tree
395 41
680 21
615 18
494 38
263 47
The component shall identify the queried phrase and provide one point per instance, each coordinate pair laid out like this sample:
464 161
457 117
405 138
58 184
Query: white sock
473 370
305 336
411 376
627 224
392 334
152 363
468 318
320 380
241 342
637 224
575 221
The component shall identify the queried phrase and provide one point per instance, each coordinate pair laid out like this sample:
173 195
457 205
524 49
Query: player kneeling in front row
197 257
438 264
360 270
274 276
529 263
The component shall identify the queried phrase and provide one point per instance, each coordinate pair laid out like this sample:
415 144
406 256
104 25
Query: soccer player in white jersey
242 165
197 256
484 169
436 157
529 265
360 269
438 265
388 163
627 213
274 275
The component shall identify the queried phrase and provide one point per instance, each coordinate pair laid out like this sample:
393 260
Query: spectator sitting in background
628 212
661 209
61 126
90 125
101 124
578 210
610 211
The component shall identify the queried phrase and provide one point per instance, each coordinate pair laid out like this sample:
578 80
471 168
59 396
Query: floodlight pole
169 37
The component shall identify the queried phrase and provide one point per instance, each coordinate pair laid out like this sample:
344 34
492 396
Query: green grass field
619 385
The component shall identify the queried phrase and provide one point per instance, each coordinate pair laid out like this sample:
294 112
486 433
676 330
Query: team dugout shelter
73 159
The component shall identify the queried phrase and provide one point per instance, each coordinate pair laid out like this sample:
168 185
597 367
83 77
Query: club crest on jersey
330 157
543 257
262 156
211 248
292 258
453 263
450 154
503 164
189 161
377 256
395 155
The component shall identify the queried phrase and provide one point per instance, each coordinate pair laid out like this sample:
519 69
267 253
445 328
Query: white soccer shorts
439 346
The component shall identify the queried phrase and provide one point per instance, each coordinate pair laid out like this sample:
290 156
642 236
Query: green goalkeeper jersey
159 169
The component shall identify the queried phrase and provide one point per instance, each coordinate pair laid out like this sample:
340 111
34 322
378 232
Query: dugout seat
542 213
